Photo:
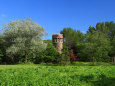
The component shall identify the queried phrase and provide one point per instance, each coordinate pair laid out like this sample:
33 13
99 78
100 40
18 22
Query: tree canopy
23 36
22 40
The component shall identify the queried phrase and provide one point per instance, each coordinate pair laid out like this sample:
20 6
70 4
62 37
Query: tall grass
34 75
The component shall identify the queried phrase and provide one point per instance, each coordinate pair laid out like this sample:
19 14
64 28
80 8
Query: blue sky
54 15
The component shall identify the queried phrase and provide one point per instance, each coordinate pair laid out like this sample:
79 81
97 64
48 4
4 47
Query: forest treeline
21 41
98 44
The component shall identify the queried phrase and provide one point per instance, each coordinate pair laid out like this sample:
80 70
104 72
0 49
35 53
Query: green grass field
35 75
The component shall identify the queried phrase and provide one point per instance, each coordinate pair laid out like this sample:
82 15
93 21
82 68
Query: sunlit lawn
37 75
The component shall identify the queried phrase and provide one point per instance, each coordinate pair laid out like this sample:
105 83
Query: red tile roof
57 36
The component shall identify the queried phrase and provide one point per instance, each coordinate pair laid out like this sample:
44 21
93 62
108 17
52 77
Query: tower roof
57 36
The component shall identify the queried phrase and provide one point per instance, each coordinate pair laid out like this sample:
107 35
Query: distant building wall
57 40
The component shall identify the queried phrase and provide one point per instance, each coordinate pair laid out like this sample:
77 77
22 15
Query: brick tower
57 40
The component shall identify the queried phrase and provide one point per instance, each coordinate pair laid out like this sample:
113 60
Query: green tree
1 48
24 36
96 46
72 39
91 30
112 38
65 59
50 55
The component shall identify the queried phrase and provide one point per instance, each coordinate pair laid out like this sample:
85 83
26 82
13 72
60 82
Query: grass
37 75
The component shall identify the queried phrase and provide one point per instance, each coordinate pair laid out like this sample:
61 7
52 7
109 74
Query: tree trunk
26 56
113 59
12 59
93 61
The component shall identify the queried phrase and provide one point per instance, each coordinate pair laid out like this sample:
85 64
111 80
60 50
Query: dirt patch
85 63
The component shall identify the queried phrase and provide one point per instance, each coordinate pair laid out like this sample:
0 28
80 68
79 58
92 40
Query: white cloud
3 16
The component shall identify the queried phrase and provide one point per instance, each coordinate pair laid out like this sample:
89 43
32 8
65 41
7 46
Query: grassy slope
34 75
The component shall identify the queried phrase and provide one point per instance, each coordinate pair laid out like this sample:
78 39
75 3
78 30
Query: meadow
39 75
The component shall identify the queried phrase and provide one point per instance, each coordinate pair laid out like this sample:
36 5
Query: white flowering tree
24 36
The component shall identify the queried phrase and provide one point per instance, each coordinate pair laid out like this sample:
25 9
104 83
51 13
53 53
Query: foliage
72 38
50 55
72 56
33 75
96 48
23 39
97 45
65 59
1 49
23 36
